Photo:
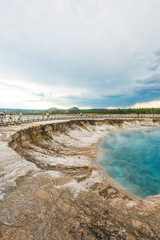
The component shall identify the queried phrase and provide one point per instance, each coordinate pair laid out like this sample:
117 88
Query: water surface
132 158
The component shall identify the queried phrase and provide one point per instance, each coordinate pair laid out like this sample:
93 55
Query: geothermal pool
132 159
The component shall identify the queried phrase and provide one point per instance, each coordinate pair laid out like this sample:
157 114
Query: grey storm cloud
157 52
153 66
154 80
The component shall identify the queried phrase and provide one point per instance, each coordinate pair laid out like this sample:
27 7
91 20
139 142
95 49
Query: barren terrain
52 188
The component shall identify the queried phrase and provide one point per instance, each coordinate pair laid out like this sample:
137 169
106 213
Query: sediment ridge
52 187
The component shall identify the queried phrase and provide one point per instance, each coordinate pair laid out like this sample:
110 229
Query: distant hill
73 109
57 110
52 109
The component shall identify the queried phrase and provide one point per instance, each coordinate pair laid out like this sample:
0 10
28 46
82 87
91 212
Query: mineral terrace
52 188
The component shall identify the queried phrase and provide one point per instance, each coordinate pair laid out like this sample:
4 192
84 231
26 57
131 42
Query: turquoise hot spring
132 159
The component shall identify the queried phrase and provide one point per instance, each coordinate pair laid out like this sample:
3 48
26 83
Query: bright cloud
152 104
33 95
84 52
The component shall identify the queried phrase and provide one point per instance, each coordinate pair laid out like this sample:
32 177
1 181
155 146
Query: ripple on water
132 158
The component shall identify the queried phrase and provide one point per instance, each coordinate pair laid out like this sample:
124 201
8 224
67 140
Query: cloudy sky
84 53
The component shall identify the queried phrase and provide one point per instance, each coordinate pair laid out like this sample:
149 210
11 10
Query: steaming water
132 158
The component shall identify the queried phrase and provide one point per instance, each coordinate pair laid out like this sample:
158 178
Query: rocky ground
52 188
